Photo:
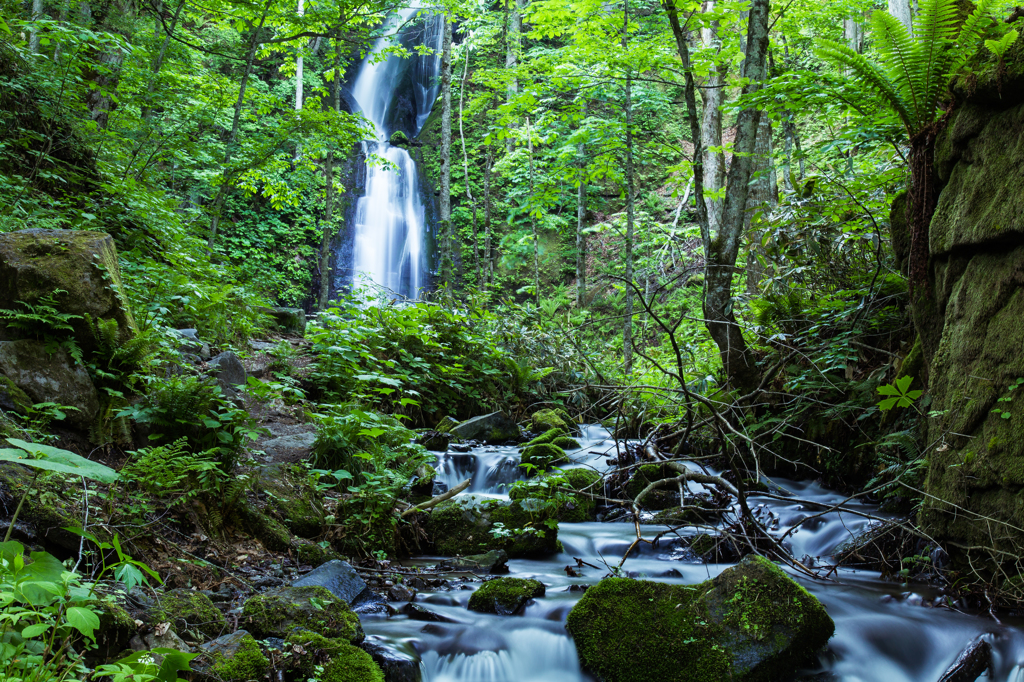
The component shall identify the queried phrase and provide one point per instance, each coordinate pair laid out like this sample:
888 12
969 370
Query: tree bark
447 237
581 216
533 218
627 320
488 256
901 9
33 38
328 231
465 171
764 194
711 127
737 360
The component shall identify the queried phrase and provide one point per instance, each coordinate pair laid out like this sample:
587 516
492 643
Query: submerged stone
505 596
752 623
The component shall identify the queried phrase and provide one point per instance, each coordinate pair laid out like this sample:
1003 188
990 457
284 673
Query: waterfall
390 221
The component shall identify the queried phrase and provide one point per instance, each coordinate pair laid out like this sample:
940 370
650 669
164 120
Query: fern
901 462
913 71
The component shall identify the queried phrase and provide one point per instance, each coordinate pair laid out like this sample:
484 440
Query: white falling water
390 222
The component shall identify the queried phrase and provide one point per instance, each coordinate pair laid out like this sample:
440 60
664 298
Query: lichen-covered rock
505 596
35 263
496 427
261 526
46 512
494 561
47 377
556 418
750 624
189 611
468 526
543 456
311 553
236 658
278 612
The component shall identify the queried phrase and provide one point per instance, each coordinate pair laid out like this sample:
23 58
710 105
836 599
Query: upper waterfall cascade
390 220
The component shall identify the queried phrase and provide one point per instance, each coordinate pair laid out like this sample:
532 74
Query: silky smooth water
390 222
885 631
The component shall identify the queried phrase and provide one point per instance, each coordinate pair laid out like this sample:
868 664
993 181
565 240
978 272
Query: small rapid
885 631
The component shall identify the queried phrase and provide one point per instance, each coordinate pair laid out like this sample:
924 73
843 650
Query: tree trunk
465 171
711 126
328 232
533 218
33 38
488 256
627 320
581 216
158 63
513 43
737 360
447 236
764 195
901 10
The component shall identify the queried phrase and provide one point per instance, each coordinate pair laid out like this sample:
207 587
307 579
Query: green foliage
44 321
899 395
901 467
999 47
49 458
914 70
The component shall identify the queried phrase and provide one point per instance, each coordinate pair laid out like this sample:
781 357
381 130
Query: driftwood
970 664
434 501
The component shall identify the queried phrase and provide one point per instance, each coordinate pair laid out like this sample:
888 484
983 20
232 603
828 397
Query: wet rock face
496 427
750 624
338 577
27 369
970 316
505 596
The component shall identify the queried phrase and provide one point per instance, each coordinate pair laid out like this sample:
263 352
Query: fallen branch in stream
434 501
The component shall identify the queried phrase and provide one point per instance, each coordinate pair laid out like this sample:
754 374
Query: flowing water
885 631
390 221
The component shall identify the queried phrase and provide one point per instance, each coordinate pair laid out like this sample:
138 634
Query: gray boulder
494 562
496 427
398 665
289 320
338 577
191 343
229 372
50 378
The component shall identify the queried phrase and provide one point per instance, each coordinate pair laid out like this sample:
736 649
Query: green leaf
56 459
83 620
35 630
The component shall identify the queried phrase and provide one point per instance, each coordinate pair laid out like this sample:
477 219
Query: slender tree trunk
465 172
763 196
513 44
328 232
737 360
711 126
689 94
158 63
488 256
581 217
218 202
33 37
901 9
627 320
448 240
533 219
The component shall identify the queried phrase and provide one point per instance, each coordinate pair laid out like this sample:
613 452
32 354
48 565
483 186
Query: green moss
547 437
545 420
446 425
313 554
116 629
398 139
247 664
190 611
341 661
457 528
277 613
293 500
566 443
505 596
12 398
264 528
352 664
644 476
750 624
543 456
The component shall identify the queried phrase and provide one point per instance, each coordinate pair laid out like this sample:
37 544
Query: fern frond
901 58
870 73
935 28
970 35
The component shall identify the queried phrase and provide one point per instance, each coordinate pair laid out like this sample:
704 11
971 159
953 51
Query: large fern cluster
913 71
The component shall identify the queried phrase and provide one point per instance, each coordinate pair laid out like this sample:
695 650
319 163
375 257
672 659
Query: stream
885 631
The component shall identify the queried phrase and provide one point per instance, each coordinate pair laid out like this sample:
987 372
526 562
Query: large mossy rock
48 378
278 612
505 596
35 263
235 658
189 611
543 456
750 624
496 427
290 497
466 527
970 321
556 418
288 320
338 660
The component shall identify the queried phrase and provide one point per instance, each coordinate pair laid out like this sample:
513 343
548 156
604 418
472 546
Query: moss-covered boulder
341 661
642 477
543 456
566 443
35 263
189 612
278 612
556 418
235 658
289 495
312 554
50 377
752 623
116 629
288 320
467 526
505 596
256 523
47 511
12 398
553 488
